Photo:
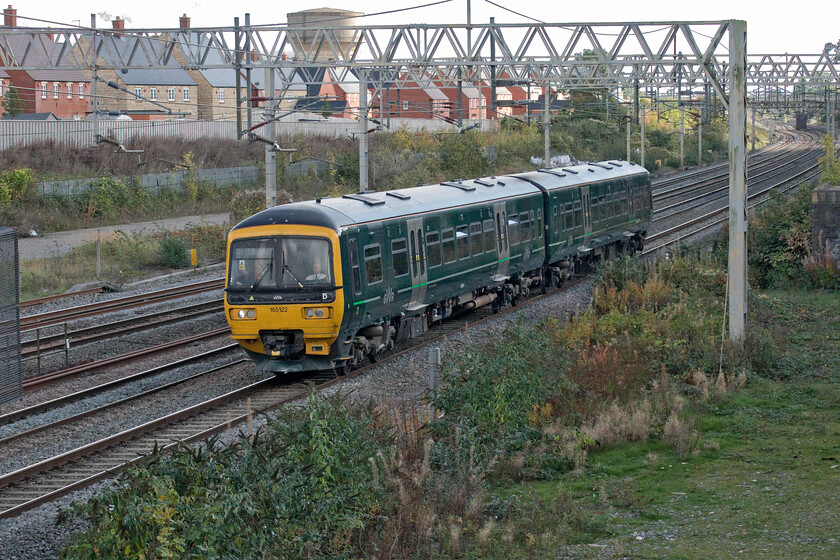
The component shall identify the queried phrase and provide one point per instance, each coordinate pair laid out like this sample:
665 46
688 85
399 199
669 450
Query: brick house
473 102
416 100
329 97
215 87
5 82
145 93
63 91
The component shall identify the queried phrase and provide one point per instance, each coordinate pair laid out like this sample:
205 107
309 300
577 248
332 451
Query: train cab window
356 274
279 263
433 249
448 238
399 253
524 227
475 238
539 224
373 263
513 229
489 236
463 239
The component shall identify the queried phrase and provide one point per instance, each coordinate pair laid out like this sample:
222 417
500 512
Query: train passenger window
578 213
399 252
594 209
489 236
449 254
373 263
475 238
524 227
502 230
568 216
433 249
539 224
555 222
463 239
356 275
513 230
609 210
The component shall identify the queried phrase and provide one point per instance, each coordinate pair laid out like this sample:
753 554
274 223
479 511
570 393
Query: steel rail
34 382
129 302
21 413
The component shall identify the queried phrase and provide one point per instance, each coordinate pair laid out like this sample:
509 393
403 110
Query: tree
12 103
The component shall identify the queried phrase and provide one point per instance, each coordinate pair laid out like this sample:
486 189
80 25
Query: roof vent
361 197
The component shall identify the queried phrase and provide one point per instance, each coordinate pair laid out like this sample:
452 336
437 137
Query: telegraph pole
643 136
682 136
737 180
700 142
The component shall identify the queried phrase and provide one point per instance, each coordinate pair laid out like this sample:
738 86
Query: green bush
15 184
172 253
301 488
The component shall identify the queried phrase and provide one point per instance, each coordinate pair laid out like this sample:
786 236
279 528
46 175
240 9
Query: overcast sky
769 28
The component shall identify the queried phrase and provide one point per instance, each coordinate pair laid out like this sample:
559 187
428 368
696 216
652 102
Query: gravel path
62 242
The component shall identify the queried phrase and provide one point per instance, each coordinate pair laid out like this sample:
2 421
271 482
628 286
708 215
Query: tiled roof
40 52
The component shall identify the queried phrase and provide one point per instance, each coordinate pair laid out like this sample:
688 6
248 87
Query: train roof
370 206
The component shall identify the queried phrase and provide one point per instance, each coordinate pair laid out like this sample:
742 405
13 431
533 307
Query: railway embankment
629 429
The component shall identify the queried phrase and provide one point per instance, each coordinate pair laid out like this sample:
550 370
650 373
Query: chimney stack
184 21
118 23
10 16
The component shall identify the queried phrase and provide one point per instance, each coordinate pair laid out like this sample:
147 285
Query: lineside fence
80 133
11 374
154 182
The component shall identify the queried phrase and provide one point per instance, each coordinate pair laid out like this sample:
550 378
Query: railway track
56 476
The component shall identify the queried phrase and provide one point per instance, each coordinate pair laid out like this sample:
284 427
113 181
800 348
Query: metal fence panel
11 374
153 182
80 133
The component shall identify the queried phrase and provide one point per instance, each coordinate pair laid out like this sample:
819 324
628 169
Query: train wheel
374 356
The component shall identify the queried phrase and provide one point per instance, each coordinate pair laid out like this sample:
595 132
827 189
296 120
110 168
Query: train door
502 241
587 210
417 263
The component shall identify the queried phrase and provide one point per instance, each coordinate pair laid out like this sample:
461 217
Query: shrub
172 253
15 184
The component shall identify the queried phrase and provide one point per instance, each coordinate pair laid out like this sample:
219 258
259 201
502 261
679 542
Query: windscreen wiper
261 276
286 267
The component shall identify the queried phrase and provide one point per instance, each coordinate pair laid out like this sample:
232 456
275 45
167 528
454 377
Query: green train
331 282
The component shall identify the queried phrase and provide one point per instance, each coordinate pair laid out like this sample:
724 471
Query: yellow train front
283 295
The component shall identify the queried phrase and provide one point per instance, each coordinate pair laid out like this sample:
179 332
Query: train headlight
243 314
316 312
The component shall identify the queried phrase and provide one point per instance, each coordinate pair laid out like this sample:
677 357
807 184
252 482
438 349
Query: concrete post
237 68
643 136
700 143
547 127
628 138
270 132
363 137
737 180
248 118
682 137
752 134
94 89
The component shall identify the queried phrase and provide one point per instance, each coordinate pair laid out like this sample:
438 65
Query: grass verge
123 258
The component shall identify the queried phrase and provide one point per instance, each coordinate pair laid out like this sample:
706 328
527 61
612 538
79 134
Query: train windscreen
280 263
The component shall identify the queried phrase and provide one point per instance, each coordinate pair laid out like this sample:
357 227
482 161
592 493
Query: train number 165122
281 309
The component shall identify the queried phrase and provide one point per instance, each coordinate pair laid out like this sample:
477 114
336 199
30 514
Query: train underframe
371 341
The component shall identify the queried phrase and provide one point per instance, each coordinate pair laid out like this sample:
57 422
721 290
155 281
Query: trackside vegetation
398 159
619 431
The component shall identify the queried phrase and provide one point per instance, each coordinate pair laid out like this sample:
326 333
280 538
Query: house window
186 94
405 105
221 96
69 91
1 88
138 92
43 90
55 90
171 94
81 91
153 94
